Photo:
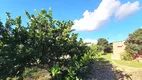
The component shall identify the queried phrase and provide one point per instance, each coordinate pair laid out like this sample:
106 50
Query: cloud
100 16
97 18
90 41
127 10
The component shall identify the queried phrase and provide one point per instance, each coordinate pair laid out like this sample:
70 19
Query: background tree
104 45
102 42
134 42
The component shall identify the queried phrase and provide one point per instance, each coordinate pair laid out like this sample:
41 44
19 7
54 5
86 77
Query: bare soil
107 71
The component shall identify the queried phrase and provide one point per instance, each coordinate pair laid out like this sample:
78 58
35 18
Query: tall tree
104 45
134 42
42 43
102 42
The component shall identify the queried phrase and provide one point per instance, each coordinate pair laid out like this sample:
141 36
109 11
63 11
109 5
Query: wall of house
118 49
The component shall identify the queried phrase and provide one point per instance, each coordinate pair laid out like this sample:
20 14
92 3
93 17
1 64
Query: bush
126 56
77 69
43 41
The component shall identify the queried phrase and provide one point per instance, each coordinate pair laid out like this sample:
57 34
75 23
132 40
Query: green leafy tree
43 42
104 45
102 42
134 42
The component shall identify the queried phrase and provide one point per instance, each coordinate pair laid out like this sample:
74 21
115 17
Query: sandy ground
114 72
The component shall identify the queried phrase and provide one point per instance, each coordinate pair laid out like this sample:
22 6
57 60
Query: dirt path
107 71
133 73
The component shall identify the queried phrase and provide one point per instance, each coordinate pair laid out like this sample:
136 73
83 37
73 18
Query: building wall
118 49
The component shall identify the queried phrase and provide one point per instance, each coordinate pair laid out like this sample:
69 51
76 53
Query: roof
118 41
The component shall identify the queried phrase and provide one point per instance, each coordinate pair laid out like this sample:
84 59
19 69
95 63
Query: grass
129 63
107 56
134 64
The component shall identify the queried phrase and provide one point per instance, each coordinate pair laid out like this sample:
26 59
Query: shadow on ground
104 70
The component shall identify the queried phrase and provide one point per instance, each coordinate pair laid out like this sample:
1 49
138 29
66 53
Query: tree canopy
104 45
44 42
102 42
134 42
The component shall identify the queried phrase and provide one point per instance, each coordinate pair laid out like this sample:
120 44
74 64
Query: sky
93 19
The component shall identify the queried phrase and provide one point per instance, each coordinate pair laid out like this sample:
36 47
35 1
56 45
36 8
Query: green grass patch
107 56
134 64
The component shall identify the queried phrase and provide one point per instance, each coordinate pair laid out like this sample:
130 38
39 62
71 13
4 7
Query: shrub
78 67
126 56
43 41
